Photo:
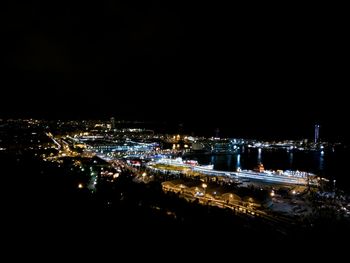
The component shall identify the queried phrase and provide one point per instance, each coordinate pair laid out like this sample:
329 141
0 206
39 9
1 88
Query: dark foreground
42 200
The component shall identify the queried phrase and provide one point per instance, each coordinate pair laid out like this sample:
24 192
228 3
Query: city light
235 176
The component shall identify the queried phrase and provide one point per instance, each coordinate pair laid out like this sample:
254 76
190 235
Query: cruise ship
184 163
258 174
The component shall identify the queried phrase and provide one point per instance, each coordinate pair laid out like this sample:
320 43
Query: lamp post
204 187
230 198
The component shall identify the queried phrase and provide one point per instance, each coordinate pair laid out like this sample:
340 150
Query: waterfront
87 168
331 165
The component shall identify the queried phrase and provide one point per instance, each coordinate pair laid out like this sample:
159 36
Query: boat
184 163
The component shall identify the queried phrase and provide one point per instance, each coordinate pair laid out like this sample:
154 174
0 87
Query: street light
204 187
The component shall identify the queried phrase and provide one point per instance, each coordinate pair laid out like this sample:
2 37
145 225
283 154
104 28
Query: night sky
263 67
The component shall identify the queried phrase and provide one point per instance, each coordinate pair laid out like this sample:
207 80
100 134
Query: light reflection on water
238 161
290 160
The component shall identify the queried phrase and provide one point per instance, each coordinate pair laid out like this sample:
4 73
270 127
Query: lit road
54 140
264 177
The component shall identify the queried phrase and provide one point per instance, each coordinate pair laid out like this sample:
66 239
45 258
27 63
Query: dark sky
267 70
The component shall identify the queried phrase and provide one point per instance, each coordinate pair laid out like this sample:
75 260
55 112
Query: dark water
331 165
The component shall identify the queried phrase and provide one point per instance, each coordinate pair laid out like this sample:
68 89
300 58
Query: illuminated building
317 133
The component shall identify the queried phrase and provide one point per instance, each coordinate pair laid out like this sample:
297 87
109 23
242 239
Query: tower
317 133
112 123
